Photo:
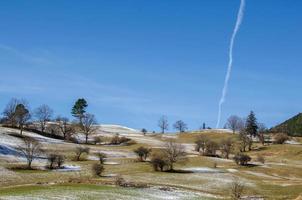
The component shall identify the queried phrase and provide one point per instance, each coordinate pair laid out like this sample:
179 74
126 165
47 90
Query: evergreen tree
251 124
79 108
22 115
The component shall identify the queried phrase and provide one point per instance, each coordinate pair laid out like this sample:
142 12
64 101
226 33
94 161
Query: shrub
55 159
102 157
280 138
159 162
201 143
130 142
211 148
124 140
226 147
242 159
261 159
119 181
98 169
116 140
51 160
97 140
245 141
236 189
144 131
206 146
60 160
73 139
81 150
142 153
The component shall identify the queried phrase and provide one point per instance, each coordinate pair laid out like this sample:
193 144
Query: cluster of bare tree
208 147
55 160
18 114
179 125
248 126
165 158
247 129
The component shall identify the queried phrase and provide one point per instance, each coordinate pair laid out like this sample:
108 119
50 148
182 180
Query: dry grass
279 178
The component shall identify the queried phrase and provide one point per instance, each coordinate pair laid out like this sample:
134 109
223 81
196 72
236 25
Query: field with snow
280 177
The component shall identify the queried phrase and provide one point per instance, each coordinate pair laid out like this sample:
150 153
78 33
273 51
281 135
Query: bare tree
180 126
81 150
98 169
234 123
237 189
159 161
211 148
88 125
226 147
174 152
163 124
261 131
22 116
52 157
60 160
102 157
65 128
245 141
43 114
55 158
31 148
201 143
142 153
9 112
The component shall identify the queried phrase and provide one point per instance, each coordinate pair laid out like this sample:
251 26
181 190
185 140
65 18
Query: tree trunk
78 157
171 166
29 164
86 138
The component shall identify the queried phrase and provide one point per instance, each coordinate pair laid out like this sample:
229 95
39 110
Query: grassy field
90 192
279 178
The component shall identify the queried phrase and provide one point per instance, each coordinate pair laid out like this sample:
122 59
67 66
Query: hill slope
292 126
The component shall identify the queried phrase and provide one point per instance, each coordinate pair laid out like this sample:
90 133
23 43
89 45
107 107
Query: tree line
17 114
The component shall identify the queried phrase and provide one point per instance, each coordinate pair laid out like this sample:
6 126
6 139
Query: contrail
229 70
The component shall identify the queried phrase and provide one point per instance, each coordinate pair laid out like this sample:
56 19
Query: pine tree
79 108
251 124
22 115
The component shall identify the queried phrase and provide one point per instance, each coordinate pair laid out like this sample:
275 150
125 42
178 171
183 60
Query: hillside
202 177
292 126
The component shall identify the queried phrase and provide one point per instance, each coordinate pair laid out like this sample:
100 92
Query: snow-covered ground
69 168
203 170
117 129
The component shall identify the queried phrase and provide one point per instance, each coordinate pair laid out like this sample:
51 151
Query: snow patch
232 170
203 170
69 168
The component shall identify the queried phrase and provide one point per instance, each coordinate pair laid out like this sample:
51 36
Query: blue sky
137 60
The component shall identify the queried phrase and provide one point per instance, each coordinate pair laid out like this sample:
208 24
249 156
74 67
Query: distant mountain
292 126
